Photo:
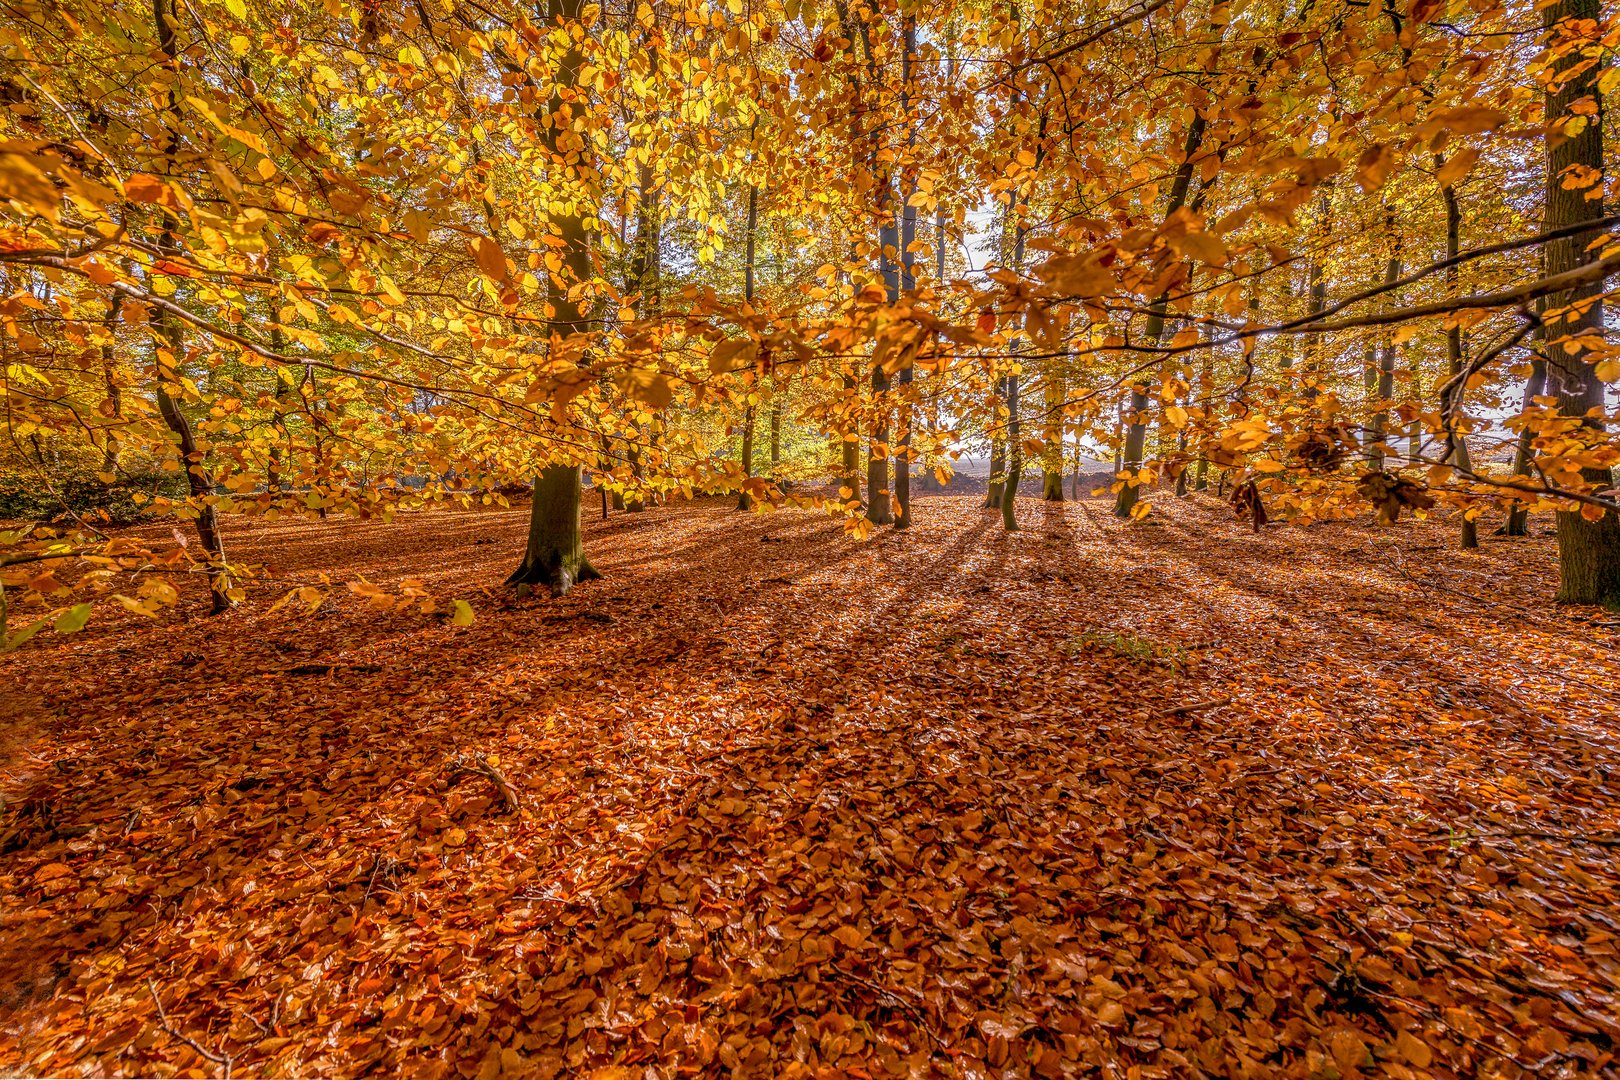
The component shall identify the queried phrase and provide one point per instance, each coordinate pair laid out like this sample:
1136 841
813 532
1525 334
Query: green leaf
73 619
22 635
461 613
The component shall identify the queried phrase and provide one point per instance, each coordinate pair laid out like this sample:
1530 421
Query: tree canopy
353 258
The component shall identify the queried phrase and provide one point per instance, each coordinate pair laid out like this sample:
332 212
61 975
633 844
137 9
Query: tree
554 554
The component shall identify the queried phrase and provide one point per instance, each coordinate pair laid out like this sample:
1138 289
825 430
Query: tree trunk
1588 551
115 394
1317 299
776 430
1457 442
1119 444
744 502
1052 461
1136 435
1518 520
1384 386
908 282
998 457
167 331
878 505
555 555
1015 459
851 448
1015 445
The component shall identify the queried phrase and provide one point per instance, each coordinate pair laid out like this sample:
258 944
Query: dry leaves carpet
795 805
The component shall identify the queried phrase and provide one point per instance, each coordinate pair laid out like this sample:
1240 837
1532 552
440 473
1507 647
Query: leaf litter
1152 798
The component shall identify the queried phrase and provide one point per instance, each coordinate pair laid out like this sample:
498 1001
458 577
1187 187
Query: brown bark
168 332
1456 442
1588 551
1136 434
554 554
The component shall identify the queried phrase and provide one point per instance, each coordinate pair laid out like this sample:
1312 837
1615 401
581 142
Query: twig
327 669
218 1058
1536 834
376 863
266 1030
1196 706
911 1008
479 765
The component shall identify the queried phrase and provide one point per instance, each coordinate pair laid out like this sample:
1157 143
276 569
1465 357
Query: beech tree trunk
1468 536
1052 462
878 506
555 554
776 431
908 282
1518 519
850 463
1015 445
1384 386
998 448
115 394
1206 386
167 332
744 502
1317 299
1015 459
1588 551
1136 434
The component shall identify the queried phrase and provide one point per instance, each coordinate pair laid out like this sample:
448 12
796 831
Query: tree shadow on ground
800 800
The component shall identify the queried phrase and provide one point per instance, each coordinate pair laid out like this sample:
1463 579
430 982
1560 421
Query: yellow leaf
1110 1012
22 179
1073 275
733 354
1468 120
455 837
652 387
1457 167
145 188
1373 167
418 223
1203 247
491 259
1141 510
461 613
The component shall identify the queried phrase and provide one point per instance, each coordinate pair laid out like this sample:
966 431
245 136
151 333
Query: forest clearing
1087 795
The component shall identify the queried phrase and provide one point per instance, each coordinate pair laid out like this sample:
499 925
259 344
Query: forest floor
1154 799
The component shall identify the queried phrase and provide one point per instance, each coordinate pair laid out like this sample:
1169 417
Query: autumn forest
809 538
